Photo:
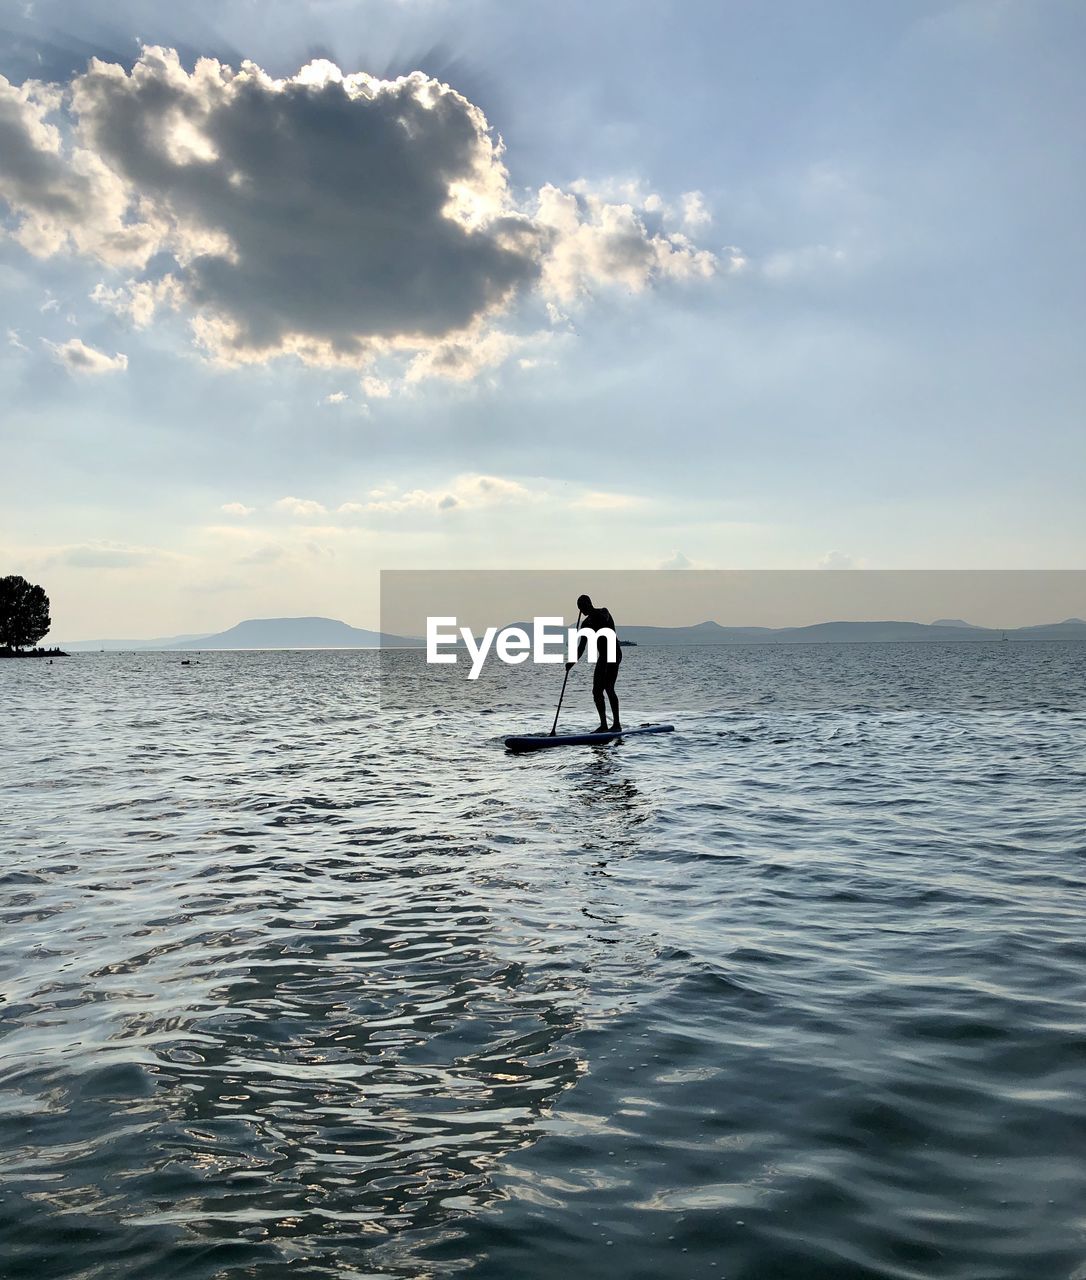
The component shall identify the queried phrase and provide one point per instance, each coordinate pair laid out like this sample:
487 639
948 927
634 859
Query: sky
293 293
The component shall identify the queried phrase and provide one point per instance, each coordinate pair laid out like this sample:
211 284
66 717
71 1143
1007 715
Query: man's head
584 603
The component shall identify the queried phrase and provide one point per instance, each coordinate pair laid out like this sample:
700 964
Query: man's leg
598 686
612 697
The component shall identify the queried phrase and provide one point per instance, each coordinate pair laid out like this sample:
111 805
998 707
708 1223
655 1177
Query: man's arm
582 643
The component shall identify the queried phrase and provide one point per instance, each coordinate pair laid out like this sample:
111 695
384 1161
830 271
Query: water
294 983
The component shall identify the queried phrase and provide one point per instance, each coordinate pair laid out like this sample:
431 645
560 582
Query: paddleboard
540 742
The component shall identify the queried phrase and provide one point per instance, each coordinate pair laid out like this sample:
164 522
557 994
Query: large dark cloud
331 195
327 215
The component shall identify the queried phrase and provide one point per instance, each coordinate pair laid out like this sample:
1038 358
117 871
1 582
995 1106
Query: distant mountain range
328 633
850 632
161 642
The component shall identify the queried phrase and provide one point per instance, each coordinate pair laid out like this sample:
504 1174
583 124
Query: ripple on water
292 984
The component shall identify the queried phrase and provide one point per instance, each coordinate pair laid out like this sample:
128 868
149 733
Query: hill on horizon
297 633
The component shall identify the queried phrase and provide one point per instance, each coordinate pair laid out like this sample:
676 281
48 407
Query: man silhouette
598 618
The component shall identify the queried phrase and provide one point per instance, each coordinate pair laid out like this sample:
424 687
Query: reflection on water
606 811
293 980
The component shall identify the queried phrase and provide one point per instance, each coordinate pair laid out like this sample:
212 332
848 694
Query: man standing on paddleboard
598 618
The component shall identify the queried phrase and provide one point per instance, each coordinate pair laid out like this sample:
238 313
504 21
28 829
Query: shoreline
33 653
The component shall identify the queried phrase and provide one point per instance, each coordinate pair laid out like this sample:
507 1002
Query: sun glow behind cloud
334 217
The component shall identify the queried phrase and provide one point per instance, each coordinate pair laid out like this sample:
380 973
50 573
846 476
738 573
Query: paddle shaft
558 709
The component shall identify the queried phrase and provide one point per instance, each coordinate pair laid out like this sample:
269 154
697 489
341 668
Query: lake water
299 979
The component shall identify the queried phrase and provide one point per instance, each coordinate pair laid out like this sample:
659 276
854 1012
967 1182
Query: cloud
320 215
77 357
63 197
105 555
695 212
677 561
463 357
302 507
333 217
734 260
237 509
14 340
487 490
838 560
375 388
139 300
408 500
595 242
472 492
335 397
466 492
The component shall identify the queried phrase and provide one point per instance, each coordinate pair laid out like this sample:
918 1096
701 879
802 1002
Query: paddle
554 727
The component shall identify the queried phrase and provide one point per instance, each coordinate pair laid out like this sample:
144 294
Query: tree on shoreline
24 613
